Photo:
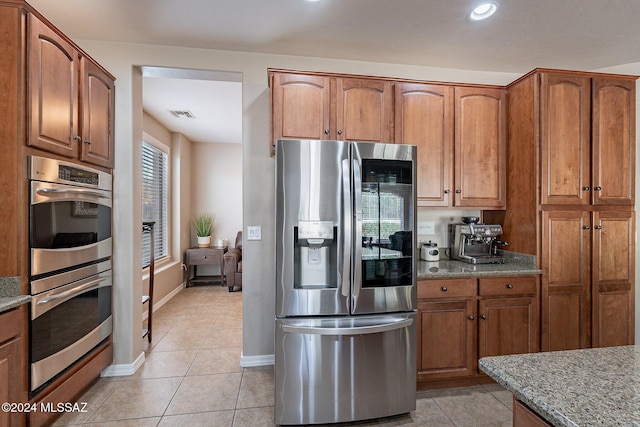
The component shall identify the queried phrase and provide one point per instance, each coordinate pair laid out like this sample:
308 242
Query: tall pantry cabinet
56 102
570 201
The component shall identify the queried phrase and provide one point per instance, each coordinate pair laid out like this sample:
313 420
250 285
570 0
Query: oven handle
54 298
49 192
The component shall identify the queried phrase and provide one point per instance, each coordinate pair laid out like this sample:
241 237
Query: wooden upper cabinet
424 118
364 110
613 141
480 147
71 99
97 116
300 106
53 91
565 139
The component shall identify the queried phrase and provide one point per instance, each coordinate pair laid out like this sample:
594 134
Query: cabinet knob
585 188
509 286
444 289
339 131
471 317
586 227
87 142
598 227
458 191
326 131
597 188
483 317
77 138
447 191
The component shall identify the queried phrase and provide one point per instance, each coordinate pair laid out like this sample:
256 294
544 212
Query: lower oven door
66 323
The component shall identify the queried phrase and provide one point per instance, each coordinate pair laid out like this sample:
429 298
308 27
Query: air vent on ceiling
182 113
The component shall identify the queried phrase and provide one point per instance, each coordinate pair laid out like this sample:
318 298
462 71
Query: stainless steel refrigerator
345 281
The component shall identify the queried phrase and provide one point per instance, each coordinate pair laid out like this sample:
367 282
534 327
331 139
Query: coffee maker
475 243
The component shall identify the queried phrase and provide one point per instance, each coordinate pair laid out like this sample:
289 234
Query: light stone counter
10 296
515 265
599 386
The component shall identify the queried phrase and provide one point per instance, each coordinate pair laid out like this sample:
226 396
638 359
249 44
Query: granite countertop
515 265
10 296
597 386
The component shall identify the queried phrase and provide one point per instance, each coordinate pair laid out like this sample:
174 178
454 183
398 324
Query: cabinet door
507 326
613 141
565 139
446 342
566 308
12 385
97 115
300 107
424 117
613 276
480 147
363 110
53 91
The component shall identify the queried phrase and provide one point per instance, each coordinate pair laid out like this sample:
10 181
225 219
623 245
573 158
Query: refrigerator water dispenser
315 254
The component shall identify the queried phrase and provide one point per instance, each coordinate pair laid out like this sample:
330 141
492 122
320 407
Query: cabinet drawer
203 256
449 288
505 286
11 324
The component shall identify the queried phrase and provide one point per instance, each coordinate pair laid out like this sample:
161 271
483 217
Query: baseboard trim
251 361
123 370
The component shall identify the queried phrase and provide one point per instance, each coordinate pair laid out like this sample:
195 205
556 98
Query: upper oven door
69 226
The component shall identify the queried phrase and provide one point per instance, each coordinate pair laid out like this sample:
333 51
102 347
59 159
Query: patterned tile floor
192 377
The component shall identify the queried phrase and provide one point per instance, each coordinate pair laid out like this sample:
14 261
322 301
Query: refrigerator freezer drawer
332 370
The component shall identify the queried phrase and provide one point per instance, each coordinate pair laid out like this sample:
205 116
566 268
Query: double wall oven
70 264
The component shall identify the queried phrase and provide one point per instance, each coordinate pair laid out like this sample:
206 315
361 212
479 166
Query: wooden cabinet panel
613 141
507 326
480 147
612 279
53 91
364 110
13 388
565 139
424 117
566 280
447 341
525 417
97 115
447 288
507 286
300 106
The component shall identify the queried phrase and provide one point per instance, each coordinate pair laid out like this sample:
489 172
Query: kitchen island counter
10 296
598 386
514 265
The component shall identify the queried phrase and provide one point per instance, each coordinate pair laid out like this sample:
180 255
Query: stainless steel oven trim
46 192
45 301
45 369
45 169
48 283
46 260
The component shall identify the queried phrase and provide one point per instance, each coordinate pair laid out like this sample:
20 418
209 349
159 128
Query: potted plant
203 223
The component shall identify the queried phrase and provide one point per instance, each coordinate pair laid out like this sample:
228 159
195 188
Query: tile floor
192 377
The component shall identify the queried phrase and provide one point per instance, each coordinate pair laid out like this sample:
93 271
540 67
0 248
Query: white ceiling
524 34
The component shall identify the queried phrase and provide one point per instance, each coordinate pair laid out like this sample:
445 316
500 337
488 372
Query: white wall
258 166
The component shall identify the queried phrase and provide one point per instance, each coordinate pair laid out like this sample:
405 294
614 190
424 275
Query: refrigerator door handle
346 237
357 207
354 330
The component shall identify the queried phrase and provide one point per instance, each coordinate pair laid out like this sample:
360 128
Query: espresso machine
475 243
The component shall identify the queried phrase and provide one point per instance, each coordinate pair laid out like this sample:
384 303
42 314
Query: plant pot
204 241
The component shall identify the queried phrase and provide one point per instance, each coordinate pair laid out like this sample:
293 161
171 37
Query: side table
204 256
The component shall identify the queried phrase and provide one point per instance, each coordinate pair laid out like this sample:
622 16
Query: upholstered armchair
233 265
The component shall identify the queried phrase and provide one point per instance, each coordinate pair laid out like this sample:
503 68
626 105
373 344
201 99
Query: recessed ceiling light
483 11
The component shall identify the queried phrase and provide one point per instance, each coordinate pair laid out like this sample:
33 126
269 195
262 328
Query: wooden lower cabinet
12 365
462 320
525 417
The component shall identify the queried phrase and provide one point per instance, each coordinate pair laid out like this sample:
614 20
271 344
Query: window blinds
154 200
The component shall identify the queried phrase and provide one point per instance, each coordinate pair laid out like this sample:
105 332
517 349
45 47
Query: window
155 199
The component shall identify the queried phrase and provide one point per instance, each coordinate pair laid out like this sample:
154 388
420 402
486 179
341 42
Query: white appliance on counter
345 281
